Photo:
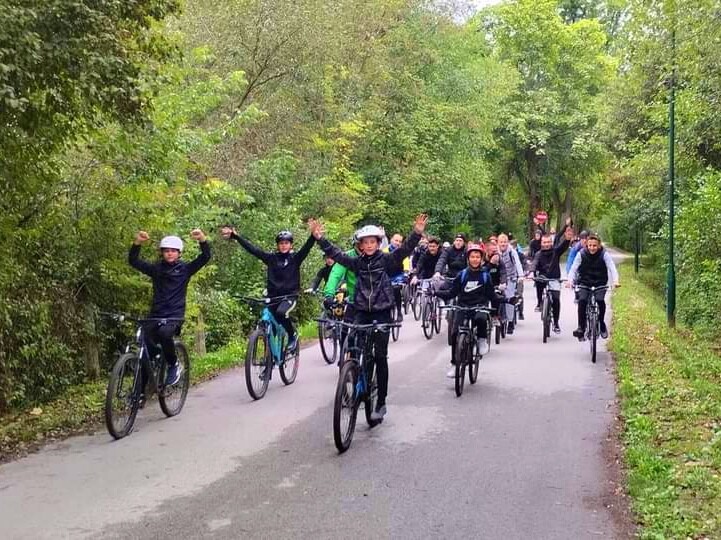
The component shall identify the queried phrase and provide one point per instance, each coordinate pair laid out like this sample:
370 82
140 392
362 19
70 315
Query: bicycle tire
131 360
371 398
546 318
426 321
416 306
497 332
593 327
291 362
255 362
170 406
328 350
395 330
406 299
460 363
345 400
438 319
449 323
474 364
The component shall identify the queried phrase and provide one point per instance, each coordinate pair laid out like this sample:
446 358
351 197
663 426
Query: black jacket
283 268
474 288
426 266
546 261
170 281
454 259
373 290
593 271
494 270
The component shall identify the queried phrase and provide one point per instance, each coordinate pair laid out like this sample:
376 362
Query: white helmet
171 242
368 231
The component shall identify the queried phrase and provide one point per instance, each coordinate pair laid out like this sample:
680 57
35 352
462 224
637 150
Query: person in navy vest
592 267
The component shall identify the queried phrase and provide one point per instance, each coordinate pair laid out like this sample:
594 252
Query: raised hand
570 234
141 237
419 226
197 235
227 232
316 228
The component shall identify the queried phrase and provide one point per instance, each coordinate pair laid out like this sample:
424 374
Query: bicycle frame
275 333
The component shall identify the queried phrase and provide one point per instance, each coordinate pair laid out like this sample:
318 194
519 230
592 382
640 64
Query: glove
328 302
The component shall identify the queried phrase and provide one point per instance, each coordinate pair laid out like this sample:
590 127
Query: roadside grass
80 408
670 390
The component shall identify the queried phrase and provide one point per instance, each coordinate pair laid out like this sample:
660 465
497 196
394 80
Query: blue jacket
572 255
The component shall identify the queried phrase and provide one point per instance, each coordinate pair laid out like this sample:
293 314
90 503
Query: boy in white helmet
373 297
170 286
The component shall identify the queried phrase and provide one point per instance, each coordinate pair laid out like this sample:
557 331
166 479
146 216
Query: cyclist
400 275
418 251
511 270
493 263
283 277
339 275
576 249
373 297
519 284
428 260
452 260
546 264
322 276
534 246
593 267
170 286
473 287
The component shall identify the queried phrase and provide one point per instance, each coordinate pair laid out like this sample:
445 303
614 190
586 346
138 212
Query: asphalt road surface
519 455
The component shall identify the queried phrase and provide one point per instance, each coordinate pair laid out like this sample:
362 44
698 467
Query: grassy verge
670 391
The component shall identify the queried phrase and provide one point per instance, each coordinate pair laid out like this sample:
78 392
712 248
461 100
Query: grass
80 408
670 392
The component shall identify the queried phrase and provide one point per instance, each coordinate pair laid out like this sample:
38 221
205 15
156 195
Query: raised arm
134 255
335 253
411 242
254 250
303 252
204 258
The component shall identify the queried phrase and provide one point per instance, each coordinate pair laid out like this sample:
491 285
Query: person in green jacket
339 274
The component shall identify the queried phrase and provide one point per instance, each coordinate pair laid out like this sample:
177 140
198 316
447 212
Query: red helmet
474 247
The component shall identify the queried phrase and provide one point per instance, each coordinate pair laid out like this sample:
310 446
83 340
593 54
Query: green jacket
338 275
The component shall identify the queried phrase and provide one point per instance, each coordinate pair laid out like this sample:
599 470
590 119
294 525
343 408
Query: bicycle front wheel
460 361
427 319
258 364
438 312
416 305
474 362
395 330
546 318
172 398
289 367
345 406
328 342
122 398
593 337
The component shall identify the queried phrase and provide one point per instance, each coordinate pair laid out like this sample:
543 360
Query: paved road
519 455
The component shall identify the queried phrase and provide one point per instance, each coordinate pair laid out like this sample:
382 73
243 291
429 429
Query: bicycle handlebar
484 309
269 300
122 317
542 279
371 326
592 289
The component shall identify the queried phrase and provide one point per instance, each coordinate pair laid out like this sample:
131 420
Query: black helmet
462 236
584 234
284 235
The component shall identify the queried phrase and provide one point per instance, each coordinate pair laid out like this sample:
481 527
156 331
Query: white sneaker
483 347
451 373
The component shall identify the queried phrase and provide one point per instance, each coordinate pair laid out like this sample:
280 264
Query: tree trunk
534 199
199 341
92 347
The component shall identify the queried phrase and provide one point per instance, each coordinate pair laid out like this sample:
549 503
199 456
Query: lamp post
671 276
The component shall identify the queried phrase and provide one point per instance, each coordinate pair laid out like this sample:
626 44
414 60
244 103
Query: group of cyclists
488 273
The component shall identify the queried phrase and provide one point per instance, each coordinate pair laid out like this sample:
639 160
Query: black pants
162 336
281 312
555 300
380 348
582 295
459 317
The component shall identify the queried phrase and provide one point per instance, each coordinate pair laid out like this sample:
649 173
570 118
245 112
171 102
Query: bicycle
430 310
546 306
396 330
502 324
357 382
329 334
468 351
126 393
268 348
593 324
407 293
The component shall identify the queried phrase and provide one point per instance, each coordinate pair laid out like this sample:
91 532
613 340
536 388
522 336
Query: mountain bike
268 348
430 309
468 348
329 333
126 392
593 323
357 381
547 303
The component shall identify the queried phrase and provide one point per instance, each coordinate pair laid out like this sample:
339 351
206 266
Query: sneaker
173 375
451 373
509 330
378 414
483 347
556 328
537 309
604 330
496 321
578 333
293 343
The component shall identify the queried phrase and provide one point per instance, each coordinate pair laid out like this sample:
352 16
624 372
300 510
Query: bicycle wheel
345 406
372 393
460 362
416 305
427 319
406 293
546 318
258 364
395 330
438 312
449 325
498 334
291 362
328 342
474 363
172 398
122 396
593 337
